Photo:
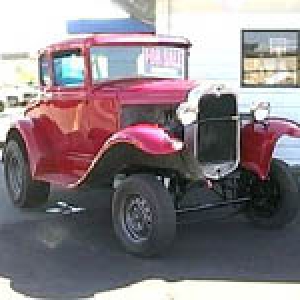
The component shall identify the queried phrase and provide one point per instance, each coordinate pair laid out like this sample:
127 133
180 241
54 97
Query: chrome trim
232 165
191 132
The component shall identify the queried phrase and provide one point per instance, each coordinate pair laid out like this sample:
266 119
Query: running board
210 206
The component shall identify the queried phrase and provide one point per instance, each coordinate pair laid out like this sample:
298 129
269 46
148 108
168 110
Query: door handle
46 95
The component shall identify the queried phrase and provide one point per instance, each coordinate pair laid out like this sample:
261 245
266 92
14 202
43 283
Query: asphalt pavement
54 256
76 256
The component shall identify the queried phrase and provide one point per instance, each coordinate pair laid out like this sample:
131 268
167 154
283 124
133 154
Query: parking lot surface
77 256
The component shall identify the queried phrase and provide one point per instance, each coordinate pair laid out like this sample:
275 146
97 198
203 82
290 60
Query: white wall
216 56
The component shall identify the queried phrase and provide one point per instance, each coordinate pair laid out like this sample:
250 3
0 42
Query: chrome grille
215 138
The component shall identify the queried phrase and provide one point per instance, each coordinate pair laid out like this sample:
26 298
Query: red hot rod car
119 110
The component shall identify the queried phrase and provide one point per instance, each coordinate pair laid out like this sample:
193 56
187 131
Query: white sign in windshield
164 61
137 61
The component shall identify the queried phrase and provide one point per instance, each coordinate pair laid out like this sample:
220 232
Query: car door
65 107
103 106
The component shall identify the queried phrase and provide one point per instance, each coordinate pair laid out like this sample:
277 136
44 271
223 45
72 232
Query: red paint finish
150 139
258 142
147 90
81 123
60 117
69 129
154 91
102 113
121 40
37 144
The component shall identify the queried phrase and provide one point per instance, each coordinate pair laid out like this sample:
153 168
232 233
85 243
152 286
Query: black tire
144 196
274 203
24 192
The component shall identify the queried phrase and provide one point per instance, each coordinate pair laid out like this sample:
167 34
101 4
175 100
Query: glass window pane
137 61
68 69
270 58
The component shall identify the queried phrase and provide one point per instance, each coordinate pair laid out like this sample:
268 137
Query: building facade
18 68
251 45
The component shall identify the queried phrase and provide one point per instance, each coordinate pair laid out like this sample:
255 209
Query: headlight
260 111
187 113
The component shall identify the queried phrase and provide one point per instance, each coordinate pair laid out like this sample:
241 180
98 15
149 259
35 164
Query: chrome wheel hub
14 174
137 218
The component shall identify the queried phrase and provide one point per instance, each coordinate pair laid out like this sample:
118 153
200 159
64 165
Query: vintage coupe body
119 110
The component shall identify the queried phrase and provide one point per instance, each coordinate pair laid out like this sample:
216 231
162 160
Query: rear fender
259 140
33 141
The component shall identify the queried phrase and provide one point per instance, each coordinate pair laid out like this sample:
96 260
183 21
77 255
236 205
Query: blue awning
108 26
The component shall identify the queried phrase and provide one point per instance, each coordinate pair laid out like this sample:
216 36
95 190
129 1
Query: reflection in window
137 61
68 68
270 58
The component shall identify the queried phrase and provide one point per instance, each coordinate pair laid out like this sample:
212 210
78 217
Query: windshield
138 61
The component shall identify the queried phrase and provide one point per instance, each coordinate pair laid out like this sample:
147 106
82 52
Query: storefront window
270 58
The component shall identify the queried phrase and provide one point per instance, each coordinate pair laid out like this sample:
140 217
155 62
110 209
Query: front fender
258 142
149 138
144 145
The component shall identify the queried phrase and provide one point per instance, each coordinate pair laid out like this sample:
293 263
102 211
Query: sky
31 24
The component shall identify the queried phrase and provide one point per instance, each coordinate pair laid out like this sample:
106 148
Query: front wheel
143 215
274 203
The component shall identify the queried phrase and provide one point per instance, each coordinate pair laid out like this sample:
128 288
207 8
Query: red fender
258 142
151 139
34 141
148 138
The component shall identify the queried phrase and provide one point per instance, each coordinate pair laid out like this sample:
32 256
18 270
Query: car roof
119 40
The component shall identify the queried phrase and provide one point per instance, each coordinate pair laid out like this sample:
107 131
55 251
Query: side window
68 68
44 70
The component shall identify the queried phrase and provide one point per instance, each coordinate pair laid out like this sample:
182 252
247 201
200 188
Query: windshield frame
131 76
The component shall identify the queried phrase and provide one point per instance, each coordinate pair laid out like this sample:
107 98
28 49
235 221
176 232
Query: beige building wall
165 9
248 6
214 27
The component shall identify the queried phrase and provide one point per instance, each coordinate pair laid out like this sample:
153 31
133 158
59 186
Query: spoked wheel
137 218
23 190
274 202
14 171
143 215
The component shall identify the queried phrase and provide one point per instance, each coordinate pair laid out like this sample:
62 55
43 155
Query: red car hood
153 91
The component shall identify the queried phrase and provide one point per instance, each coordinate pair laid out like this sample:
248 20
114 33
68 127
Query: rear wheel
274 202
23 190
143 215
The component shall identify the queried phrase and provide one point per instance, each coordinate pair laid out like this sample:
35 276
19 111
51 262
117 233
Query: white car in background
27 93
2 106
17 95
